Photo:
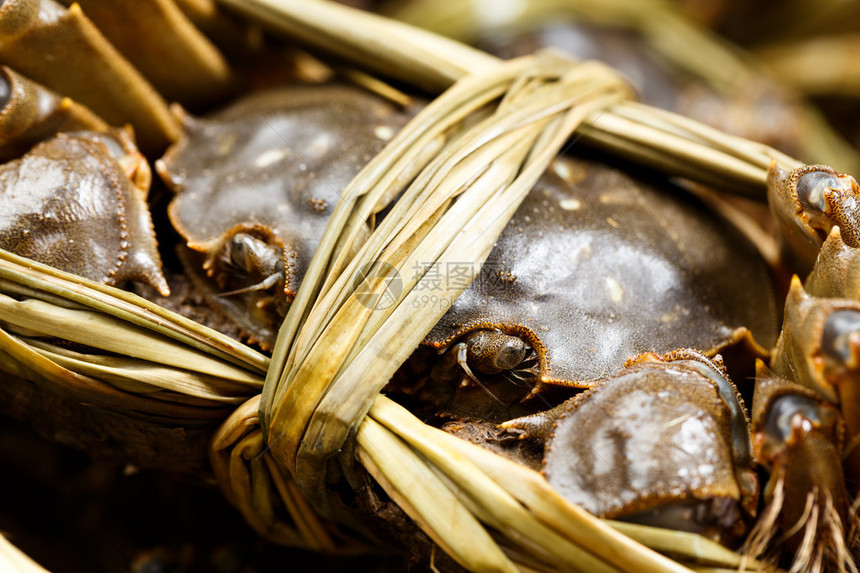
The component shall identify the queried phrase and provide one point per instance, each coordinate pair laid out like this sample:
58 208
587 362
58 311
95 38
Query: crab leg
84 66
798 437
182 65
31 112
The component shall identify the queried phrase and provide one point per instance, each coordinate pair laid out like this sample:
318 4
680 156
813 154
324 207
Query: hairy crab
597 266
256 184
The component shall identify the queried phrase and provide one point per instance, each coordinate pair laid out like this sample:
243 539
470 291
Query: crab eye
840 330
512 352
811 187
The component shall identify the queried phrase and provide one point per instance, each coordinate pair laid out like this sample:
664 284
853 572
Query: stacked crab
596 268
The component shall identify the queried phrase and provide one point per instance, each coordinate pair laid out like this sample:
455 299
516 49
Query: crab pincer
664 442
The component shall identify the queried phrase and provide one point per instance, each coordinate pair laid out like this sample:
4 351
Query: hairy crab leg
798 437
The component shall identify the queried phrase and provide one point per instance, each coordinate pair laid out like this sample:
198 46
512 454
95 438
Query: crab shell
664 442
595 267
273 165
78 202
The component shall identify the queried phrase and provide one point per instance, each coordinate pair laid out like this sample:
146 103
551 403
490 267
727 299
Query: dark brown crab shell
71 203
595 267
275 161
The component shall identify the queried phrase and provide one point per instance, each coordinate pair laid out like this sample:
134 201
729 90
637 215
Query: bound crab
524 328
528 326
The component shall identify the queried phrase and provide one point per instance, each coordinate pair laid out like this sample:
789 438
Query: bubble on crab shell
840 340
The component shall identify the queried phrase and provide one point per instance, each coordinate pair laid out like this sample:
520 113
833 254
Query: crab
256 183
32 113
593 268
804 417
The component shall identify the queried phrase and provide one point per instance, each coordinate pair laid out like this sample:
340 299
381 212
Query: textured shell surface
70 203
601 267
278 158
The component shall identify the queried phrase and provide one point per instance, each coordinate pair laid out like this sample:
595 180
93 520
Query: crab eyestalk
487 352
798 437
807 203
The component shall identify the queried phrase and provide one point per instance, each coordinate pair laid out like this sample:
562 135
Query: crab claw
30 113
819 348
664 443
807 203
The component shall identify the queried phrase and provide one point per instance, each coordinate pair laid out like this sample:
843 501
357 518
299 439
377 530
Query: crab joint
807 203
